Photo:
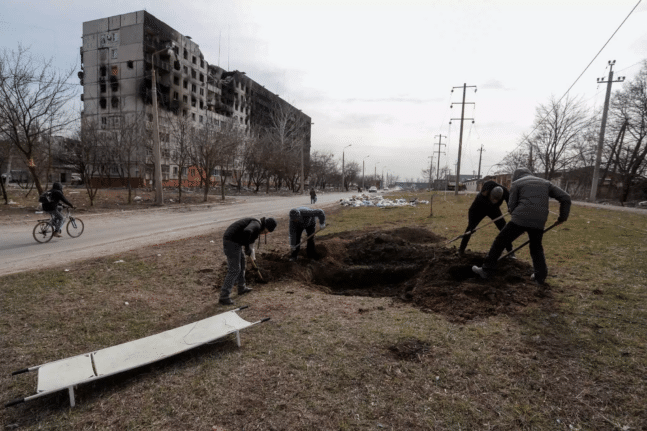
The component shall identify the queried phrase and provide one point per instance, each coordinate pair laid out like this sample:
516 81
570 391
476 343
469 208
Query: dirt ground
409 264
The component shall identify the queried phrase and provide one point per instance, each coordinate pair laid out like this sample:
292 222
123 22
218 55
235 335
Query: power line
585 69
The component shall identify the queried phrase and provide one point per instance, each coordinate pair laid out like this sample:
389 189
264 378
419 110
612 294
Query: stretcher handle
265 319
24 370
14 402
242 308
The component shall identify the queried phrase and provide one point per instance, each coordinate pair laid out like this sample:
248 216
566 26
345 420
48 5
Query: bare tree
85 153
351 171
629 107
204 155
229 138
183 133
33 103
559 126
323 168
128 149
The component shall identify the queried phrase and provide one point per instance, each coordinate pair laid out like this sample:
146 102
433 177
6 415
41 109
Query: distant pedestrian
304 218
313 196
528 206
486 204
240 235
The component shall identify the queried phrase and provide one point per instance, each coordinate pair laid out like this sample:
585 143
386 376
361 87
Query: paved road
107 234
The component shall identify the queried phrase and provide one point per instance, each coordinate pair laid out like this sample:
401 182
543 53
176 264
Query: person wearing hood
487 203
50 205
528 206
304 218
240 235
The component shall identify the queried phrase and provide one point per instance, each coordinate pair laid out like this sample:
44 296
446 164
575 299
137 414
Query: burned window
115 102
103 103
103 70
130 64
176 80
104 121
175 95
202 92
185 99
102 87
186 54
193 116
193 60
193 88
193 101
201 78
193 73
186 84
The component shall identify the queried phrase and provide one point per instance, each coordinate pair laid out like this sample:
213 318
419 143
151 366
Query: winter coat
305 217
482 204
529 196
244 231
57 197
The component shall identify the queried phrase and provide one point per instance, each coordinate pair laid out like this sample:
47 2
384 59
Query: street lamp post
363 186
382 180
375 173
157 152
343 172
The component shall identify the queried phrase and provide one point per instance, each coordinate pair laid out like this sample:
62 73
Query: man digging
304 218
242 233
528 206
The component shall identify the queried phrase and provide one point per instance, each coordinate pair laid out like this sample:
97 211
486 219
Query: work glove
560 221
322 225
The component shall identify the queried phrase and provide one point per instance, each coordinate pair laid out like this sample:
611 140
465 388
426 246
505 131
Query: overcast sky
377 75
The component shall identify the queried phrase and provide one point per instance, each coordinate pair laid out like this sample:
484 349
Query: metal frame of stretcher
69 372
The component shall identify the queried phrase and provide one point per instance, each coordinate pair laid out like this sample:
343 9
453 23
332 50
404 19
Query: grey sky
378 74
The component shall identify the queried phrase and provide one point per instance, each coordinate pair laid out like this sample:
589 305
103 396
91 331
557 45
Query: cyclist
55 197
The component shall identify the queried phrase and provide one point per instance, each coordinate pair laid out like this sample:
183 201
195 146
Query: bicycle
44 229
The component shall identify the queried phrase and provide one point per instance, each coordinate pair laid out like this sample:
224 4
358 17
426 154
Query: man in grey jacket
528 206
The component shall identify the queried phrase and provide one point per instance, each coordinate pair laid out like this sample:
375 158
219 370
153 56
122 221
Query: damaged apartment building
117 58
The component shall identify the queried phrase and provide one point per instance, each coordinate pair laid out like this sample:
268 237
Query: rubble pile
365 200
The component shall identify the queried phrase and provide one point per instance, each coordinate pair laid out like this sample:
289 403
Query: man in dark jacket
528 206
487 203
54 197
313 196
241 234
304 218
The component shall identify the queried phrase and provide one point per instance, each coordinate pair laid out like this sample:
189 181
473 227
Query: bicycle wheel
75 227
43 232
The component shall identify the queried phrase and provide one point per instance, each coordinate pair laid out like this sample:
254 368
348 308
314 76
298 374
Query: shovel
257 270
305 240
527 242
471 232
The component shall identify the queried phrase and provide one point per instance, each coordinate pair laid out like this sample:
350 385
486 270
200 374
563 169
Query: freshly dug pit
410 264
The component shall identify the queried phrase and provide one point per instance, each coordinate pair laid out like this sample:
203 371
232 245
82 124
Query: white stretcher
69 372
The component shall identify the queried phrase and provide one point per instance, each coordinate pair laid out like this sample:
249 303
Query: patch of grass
576 361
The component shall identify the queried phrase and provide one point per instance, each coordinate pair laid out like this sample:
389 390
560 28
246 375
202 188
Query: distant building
116 62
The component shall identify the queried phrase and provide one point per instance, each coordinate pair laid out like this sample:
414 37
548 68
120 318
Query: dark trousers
296 229
474 218
511 232
235 268
58 219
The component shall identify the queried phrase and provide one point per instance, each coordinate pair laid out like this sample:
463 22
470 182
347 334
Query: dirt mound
411 264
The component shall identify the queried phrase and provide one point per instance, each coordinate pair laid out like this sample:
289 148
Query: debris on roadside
365 200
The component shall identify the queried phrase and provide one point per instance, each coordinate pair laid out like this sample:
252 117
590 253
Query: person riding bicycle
50 205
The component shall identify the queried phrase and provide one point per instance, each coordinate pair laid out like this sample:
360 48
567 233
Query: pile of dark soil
410 264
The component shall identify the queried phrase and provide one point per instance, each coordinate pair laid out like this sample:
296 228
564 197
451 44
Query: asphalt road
113 233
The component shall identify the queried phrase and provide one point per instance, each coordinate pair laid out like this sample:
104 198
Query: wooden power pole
598 157
440 137
460 138
478 176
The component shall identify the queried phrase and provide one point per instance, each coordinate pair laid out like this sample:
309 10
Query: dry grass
577 361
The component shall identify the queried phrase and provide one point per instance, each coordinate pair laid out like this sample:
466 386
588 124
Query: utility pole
460 139
440 137
598 158
478 176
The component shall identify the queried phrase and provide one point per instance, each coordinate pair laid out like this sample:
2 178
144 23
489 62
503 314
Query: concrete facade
117 61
